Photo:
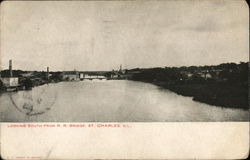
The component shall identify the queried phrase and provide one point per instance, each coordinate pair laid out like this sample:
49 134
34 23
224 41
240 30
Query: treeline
225 73
223 85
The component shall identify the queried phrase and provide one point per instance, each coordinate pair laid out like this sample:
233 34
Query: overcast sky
99 35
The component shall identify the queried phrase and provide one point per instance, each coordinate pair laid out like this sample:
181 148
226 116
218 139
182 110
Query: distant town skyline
101 36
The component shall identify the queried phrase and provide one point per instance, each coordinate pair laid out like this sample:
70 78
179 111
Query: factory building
70 75
10 83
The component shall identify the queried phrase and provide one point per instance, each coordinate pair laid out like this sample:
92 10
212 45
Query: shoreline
221 95
224 96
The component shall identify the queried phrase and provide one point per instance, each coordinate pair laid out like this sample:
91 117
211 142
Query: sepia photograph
124 61
124 79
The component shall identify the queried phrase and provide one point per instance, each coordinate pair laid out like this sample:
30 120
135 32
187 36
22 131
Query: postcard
124 79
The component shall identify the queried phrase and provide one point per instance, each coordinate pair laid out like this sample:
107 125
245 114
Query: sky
99 35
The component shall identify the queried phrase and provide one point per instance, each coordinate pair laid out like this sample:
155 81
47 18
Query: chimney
120 68
10 67
47 73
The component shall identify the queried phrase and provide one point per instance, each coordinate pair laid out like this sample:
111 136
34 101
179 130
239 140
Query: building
205 74
92 76
70 76
10 82
82 76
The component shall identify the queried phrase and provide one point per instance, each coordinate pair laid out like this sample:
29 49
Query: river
108 101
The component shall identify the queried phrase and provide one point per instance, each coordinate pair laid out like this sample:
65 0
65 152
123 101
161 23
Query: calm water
108 101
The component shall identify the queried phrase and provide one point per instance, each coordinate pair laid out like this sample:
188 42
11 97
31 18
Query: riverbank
224 95
109 101
224 85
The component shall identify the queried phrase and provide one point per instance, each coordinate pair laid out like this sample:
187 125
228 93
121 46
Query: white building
10 82
81 75
70 75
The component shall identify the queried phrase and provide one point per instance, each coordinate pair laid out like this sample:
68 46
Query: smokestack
47 73
120 68
10 67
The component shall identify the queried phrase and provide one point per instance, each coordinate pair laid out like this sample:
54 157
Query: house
206 75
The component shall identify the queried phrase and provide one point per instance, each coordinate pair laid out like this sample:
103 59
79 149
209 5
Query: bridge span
92 77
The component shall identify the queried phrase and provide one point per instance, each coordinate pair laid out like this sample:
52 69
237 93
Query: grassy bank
224 95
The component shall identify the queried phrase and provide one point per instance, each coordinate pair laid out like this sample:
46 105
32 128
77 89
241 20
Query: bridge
92 77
